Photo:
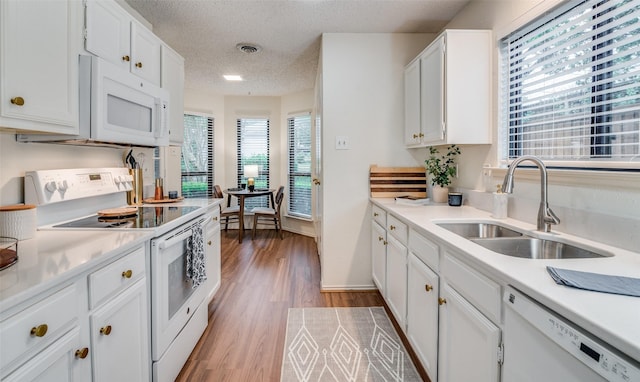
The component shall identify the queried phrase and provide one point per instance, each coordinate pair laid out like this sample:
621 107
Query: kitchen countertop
55 256
613 318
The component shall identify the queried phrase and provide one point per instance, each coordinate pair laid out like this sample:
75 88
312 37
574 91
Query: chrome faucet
546 217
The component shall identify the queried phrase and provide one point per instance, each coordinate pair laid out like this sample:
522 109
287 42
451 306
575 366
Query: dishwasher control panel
585 347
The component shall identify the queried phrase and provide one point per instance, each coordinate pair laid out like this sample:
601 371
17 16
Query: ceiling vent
248 48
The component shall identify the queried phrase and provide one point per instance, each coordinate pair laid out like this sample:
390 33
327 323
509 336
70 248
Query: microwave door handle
174 240
161 107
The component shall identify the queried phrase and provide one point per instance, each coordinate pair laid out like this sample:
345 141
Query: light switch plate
342 142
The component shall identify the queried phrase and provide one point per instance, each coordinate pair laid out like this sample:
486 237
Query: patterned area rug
344 344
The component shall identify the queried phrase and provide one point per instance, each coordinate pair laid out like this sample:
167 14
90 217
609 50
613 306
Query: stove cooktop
147 217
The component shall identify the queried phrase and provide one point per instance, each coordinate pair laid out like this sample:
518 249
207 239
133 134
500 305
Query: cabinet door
432 92
412 131
468 347
145 53
379 257
108 32
212 249
172 66
422 314
397 279
39 65
119 337
57 363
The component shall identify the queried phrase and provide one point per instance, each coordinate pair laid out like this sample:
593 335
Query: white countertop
55 256
613 318
52 257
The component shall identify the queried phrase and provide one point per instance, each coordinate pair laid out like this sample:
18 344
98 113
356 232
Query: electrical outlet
342 142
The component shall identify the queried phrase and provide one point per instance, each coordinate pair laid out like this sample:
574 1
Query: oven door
174 300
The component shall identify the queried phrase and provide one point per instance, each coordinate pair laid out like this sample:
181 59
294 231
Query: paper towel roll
18 221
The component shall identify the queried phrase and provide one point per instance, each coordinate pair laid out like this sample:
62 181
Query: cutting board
118 212
390 182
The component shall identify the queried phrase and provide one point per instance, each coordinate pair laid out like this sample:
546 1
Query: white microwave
116 108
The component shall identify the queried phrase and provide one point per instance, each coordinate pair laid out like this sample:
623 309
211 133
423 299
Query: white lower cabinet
449 311
379 257
212 252
118 319
396 296
92 328
422 314
62 361
468 341
119 337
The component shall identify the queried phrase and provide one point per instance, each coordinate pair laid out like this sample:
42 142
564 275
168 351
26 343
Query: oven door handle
174 240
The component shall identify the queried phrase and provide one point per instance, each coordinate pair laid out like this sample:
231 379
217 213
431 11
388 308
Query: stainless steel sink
479 230
535 248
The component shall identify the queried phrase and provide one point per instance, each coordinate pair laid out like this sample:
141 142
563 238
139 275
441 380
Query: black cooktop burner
147 217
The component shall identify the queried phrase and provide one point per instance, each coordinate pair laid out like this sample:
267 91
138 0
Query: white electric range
70 199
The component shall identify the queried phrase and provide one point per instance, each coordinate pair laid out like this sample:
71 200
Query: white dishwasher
540 345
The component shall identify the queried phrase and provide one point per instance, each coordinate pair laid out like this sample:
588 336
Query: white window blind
299 137
197 157
253 149
571 86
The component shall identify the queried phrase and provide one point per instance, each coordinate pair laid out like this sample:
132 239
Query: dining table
242 194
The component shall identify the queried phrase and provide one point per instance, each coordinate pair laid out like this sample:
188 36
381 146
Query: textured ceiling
205 33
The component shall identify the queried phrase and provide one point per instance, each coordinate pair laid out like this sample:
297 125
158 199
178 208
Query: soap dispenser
500 203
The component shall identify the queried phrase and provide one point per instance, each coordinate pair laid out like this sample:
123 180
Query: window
571 86
299 136
197 157
253 149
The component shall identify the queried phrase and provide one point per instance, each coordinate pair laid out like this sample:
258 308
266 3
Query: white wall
362 100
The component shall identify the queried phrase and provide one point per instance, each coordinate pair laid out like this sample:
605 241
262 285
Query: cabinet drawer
213 216
397 229
424 249
379 215
48 320
115 277
481 291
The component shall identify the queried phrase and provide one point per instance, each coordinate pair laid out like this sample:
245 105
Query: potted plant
441 169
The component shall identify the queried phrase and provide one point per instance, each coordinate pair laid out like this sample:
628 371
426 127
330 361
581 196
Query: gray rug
344 344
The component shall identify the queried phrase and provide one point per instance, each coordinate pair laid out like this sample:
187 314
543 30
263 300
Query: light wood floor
261 280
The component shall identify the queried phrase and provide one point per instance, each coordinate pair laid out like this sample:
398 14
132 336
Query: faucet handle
550 217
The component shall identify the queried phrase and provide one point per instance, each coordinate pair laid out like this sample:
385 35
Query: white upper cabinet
453 104
39 47
145 53
412 130
172 79
108 32
114 35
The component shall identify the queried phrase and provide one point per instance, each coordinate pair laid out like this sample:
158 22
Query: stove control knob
63 186
51 186
118 179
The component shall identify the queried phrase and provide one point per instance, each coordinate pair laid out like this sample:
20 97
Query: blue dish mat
627 286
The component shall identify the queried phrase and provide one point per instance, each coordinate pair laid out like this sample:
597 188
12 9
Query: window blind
299 142
571 85
253 149
197 157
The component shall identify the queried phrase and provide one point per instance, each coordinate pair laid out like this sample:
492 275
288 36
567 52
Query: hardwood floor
261 280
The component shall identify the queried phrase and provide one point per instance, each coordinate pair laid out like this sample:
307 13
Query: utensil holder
134 197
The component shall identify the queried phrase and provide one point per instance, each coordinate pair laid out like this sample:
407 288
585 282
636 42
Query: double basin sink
507 241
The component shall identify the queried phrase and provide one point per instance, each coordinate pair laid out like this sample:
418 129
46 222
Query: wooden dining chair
231 214
269 216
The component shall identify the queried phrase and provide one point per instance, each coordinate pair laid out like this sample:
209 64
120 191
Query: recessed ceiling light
248 47
232 77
